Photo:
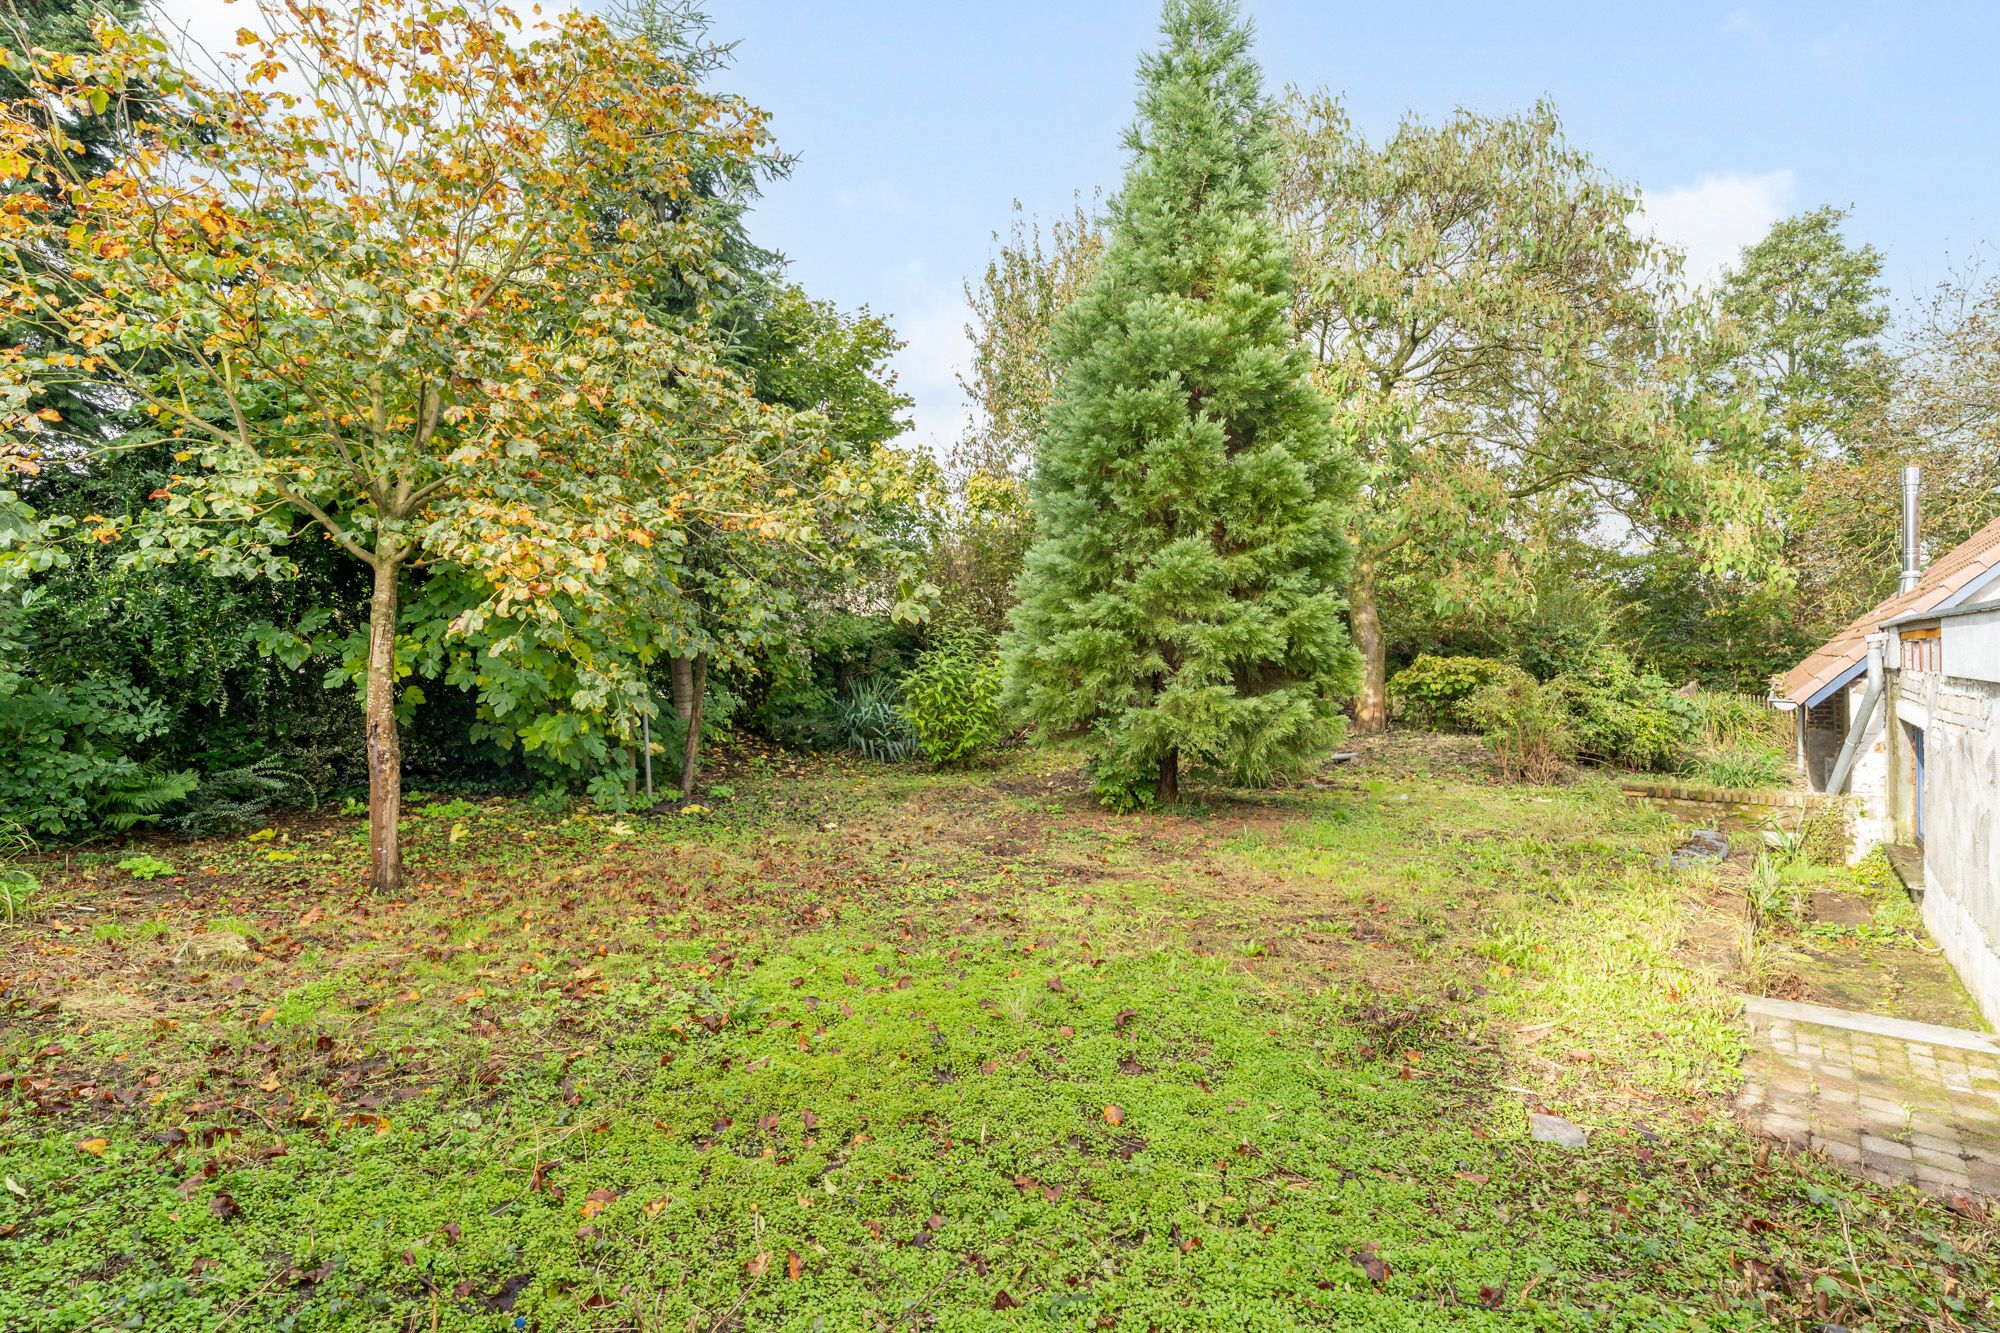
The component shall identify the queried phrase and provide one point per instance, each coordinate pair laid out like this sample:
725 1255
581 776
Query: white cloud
1713 219
1743 23
879 197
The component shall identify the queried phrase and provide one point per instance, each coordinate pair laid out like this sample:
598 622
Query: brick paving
1895 1101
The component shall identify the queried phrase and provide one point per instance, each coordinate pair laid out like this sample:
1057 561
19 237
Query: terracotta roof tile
1946 575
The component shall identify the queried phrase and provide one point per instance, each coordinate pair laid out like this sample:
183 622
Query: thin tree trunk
385 745
690 684
1371 712
1170 777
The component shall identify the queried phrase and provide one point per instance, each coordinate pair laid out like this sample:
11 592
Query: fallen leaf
1114 1114
757 1266
596 1202
95 1147
794 1265
1002 1301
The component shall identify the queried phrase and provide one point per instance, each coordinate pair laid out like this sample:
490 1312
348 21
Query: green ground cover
872 1048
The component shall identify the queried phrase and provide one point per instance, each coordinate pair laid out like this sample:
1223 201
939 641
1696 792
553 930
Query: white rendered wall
1874 821
1972 646
1962 830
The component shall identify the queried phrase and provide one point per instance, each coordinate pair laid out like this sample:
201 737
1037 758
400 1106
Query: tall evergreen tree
1181 605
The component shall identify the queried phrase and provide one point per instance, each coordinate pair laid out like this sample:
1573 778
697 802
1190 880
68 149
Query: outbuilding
1901 709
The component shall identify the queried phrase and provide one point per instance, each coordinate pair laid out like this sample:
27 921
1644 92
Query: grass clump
1741 768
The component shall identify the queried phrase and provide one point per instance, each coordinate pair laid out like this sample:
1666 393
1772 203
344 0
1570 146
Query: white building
1902 710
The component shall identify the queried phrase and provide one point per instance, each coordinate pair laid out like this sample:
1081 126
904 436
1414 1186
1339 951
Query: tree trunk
385 745
690 675
1371 712
1170 777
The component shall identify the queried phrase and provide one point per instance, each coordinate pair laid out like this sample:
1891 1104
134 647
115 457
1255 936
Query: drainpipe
1913 480
1843 767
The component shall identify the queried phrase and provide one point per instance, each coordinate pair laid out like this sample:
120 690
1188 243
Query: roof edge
1840 682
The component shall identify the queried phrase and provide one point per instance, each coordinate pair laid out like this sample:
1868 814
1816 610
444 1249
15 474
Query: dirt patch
1902 982
1422 754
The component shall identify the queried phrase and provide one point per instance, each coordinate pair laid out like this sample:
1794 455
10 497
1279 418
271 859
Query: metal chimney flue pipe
1913 570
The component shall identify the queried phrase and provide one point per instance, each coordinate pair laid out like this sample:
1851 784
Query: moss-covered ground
867 1048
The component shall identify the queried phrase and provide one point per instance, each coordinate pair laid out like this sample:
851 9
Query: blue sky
917 124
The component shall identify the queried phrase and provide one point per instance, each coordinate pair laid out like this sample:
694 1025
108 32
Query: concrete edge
1877 1025
1769 797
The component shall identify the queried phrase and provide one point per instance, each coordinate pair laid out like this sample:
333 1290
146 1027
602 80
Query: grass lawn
861 1048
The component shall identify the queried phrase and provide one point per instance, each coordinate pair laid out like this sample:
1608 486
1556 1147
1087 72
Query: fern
142 797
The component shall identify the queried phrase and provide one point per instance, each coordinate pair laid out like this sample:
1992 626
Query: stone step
1878 1025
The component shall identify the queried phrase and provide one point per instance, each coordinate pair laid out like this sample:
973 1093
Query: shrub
1525 724
1572 621
1722 718
237 796
1435 691
863 720
952 696
1623 715
70 769
801 698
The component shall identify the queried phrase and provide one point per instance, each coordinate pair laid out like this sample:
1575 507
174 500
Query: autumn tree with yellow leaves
379 278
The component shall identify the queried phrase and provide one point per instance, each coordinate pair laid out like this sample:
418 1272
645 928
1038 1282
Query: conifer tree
1181 606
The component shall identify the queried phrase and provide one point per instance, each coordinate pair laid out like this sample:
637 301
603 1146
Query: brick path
1896 1101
